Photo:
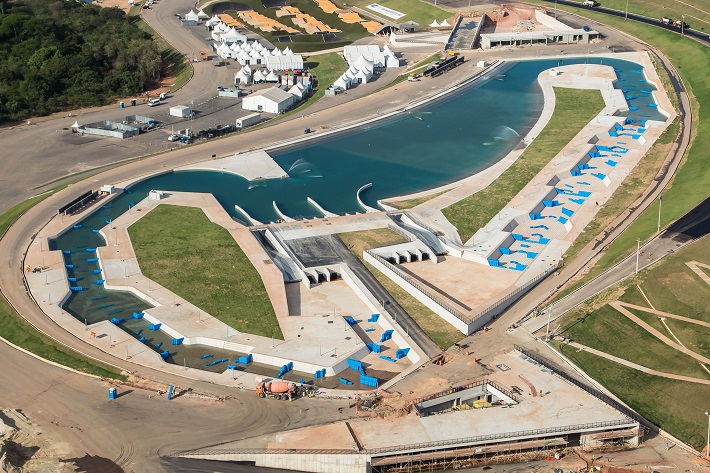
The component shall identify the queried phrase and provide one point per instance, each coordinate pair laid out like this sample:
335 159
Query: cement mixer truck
277 389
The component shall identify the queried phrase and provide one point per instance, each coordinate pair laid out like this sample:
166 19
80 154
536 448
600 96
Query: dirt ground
122 4
505 18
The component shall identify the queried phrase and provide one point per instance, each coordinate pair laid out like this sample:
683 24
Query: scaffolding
472 456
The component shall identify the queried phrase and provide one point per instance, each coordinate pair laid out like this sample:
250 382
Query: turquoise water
440 143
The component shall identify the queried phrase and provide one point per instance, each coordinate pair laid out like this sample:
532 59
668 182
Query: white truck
590 3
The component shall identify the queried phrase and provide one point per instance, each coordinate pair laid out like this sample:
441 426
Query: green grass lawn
179 248
687 188
441 333
697 12
414 10
692 336
327 68
608 330
303 42
411 203
573 110
675 406
15 329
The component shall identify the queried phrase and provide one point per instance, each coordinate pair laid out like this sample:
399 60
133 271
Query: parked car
173 137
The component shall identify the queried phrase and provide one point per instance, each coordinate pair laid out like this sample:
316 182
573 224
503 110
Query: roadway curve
697 35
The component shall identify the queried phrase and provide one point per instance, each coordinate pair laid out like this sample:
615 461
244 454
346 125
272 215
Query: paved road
694 225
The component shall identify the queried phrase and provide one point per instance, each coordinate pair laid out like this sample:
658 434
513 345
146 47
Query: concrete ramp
250 166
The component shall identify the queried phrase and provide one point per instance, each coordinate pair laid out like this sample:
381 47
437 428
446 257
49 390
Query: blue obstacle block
517 236
131 204
350 320
142 339
139 331
97 271
618 127
98 282
562 220
105 206
369 330
107 222
115 312
105 306
523 245
164 355
78 226
494 263
178 341
386 335
373 318
374 347
160 344
90 250
69 266
282 372
127 191
302 381
290 365
115 321
387 358
653 105
92 260
401 353
154 326
171 389
231 367
575 172
66 252
567 212
505 251
633 109
611 163
354 364
345 381
138 315
613 133
368 381
76 288
94 231
71 279
577 201
584 183
203 357
245 360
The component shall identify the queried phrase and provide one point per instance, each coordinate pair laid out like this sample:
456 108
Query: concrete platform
251 166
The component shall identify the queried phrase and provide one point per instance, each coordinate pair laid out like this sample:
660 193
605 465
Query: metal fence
420 287
588 389
473 384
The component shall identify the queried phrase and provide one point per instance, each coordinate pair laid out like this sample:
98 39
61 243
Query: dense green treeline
66 54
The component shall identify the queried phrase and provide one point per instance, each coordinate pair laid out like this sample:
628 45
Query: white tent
243 58
361 62
247 47
273 100
202 15
271 77
281 63
248 70
259 76
214 21
364 75
258 46
341 83
444 23
276 52
232 36
192 16
298 90
287 51
434 24
216 35
235 47
242 77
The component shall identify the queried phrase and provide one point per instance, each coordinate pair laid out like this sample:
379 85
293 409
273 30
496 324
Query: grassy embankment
697 12
441 333
687 189
414 10
672 287
179 248
16 330
573 110
174 62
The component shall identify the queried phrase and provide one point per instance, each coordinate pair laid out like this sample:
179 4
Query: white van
589 3
153 102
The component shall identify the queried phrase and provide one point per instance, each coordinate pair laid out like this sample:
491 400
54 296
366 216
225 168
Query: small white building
282 63
182 111
107 189
192 16
273 100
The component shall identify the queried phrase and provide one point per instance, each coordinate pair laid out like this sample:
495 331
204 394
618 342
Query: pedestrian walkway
637 367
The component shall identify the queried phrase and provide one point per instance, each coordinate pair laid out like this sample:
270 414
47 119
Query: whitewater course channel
439 143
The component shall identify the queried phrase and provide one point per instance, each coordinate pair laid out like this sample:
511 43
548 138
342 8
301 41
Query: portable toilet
112 393
121 105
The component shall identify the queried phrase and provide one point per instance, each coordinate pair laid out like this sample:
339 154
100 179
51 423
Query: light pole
660 203
682 25
547 332
707 448
638 250
626 15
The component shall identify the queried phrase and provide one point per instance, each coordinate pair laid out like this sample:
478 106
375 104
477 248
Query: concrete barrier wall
312 462
420 296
